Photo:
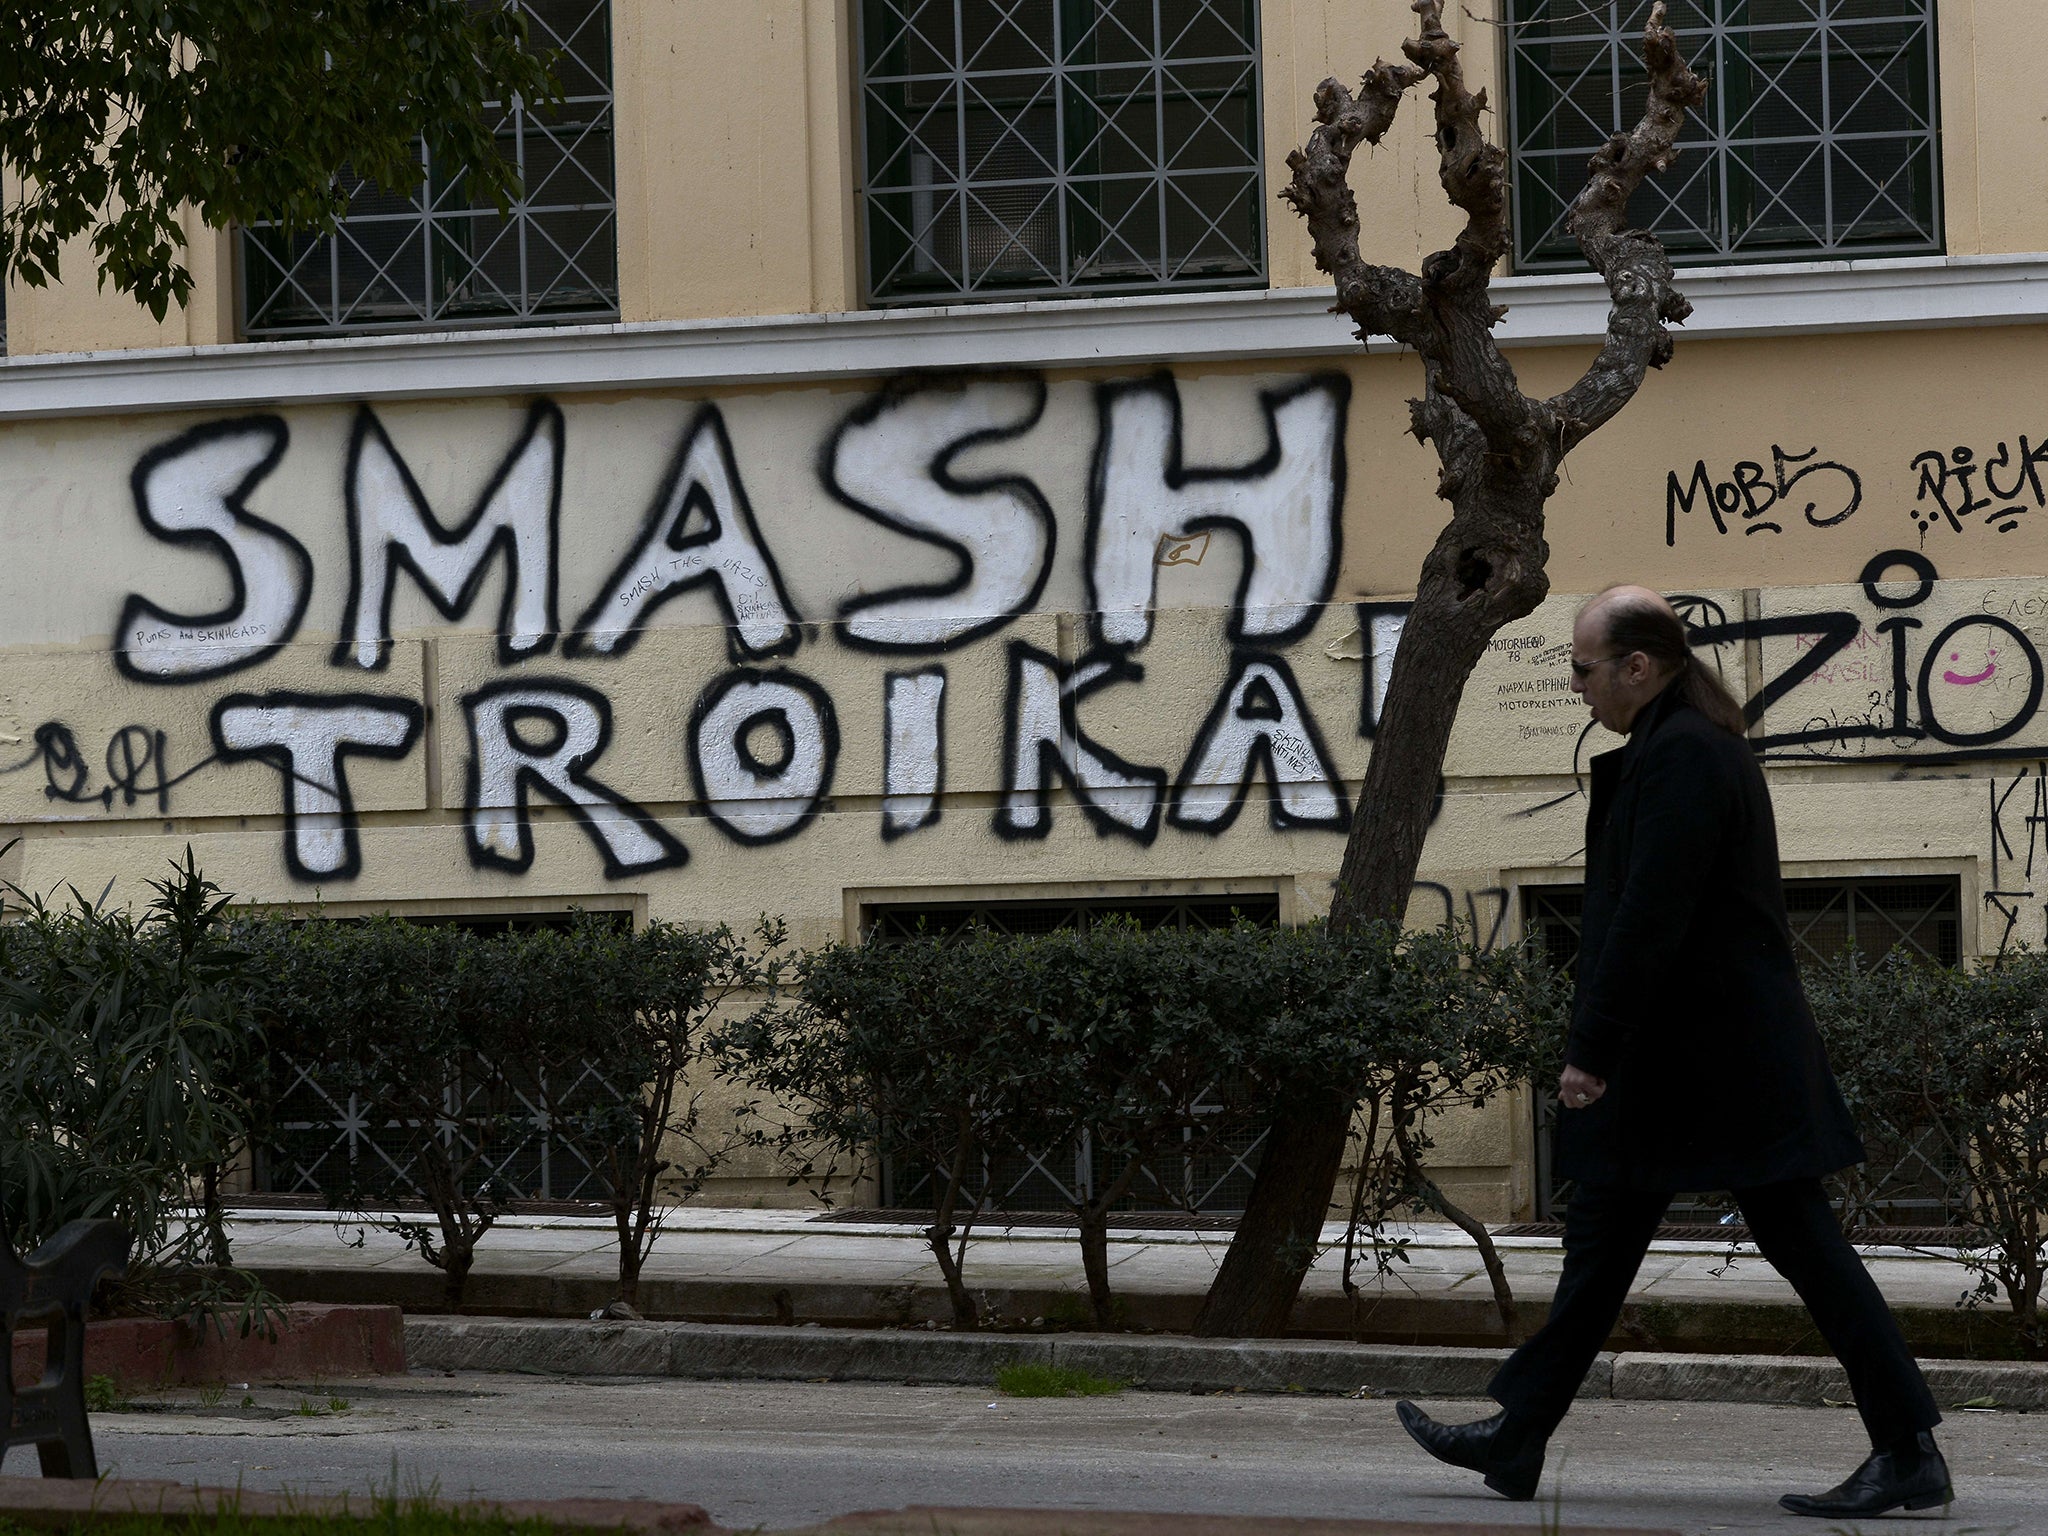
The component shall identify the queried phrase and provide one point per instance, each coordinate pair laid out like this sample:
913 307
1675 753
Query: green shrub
955 1055
126 1050
1951 1065
660 1144
467 1048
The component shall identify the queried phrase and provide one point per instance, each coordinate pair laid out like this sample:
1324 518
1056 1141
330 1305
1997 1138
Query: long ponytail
1658 632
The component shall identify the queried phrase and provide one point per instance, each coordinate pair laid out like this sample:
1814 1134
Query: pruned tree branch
1385 301
1633 261
1472 170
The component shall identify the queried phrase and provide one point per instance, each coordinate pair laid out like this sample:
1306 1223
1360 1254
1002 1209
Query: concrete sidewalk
735 1266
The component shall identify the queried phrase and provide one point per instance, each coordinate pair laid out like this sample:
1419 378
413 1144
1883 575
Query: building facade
897 458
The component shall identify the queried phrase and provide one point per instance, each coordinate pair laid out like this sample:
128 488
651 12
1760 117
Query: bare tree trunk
1094 1220
940 1234
455 1263
1496 1272
629 1258
217 1251
1499 453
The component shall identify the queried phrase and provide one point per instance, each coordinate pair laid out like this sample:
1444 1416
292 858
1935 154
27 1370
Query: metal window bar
1042 147
1820 137
432 257
1212 1175
1829 917
323 1143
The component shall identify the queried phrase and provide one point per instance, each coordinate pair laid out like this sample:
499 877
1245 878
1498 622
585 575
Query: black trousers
1607 1231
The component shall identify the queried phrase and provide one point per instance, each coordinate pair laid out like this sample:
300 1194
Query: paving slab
938 1521
793 1454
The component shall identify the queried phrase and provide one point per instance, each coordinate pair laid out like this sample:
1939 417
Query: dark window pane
1015 147
431 256
1816 139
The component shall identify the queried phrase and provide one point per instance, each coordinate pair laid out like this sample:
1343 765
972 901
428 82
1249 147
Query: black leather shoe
1884 1482
1511 1463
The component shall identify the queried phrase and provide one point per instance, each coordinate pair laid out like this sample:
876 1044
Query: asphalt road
780 1455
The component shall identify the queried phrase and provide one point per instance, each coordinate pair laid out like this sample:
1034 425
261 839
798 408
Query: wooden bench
55 1282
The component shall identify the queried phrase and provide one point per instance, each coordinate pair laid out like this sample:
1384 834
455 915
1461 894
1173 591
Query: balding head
1631 608
1627 645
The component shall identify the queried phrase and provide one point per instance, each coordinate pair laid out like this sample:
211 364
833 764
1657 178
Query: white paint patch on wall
1260 725
1282 506
763 746
913 750
309 740
892 461
390 523
547 736
701 531
1046 741
194 490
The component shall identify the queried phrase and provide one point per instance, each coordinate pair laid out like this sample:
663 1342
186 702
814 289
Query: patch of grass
1054 1381
102 1394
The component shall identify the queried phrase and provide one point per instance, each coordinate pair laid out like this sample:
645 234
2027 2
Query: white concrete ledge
1285 326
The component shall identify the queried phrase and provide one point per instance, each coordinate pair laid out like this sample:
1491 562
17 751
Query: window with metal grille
433 257
1215 1173
1034 147
1819 136
1875 916
322 1144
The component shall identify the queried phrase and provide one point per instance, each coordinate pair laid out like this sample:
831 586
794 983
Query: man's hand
1576 1089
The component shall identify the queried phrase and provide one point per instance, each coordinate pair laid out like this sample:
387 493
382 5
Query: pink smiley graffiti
1970 680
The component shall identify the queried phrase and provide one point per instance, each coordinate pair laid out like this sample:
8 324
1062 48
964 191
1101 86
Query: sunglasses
1584 669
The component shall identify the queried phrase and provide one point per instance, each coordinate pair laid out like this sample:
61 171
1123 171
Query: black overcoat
1688 999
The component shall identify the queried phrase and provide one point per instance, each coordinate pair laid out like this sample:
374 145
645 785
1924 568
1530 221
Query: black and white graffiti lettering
756 796
700 532
1974 684
1830 493
1044 742
893 459
1958 484
913 750
1260 724
546 735
1284 507
137 767
194 490
1485 915
391 525
308 738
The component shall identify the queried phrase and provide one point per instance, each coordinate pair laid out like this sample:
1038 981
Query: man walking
1692 1064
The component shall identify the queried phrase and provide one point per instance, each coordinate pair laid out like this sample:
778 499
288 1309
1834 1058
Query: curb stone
724 1352
1162 1364
1796 1379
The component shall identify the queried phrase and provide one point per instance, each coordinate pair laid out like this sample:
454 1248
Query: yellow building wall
737 148
1212 561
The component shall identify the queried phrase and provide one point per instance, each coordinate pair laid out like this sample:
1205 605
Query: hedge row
142 1055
